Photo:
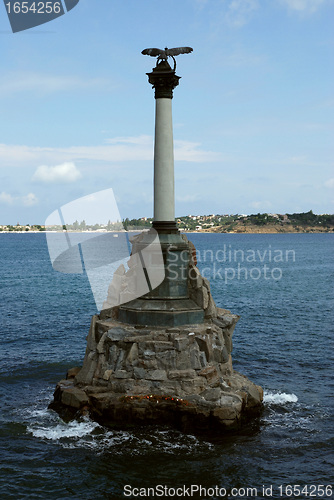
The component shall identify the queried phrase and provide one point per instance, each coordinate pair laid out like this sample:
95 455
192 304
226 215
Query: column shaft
164 203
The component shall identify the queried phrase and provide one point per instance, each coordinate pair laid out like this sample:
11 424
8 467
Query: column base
159 312
165 227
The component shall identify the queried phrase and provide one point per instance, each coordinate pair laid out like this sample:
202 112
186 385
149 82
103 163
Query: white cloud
330 183
200 4
46 84
240 11
28 201
6 198
190 151
119 149
303 5
142 140
240 57
65 173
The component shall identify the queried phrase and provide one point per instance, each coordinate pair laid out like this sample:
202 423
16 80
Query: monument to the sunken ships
164 357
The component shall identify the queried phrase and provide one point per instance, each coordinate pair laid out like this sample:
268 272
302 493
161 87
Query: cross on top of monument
163 54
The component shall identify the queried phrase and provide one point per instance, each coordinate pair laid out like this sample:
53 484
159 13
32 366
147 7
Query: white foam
73 429
43 413
279 398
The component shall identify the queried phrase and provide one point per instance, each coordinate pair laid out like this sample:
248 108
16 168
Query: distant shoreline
300 230
306 222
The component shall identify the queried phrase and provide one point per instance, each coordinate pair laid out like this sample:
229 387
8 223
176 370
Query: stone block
228 339
101 366
122 386
156 375
132 356
63 384
142 387
254 396
149 363
122 374
100 382
260 390
211 375
183 360
181 343
231 400
139 373
227 319
166 360
227 367
204 345
220 354
212 394
72 372
195 360
217 355
202 359
74 397
194 386
225 355
138 338
107 374
181 374
86 374
163 336
171 388
211 310
146 346
113 355
116 334
217 336
100 345
91 341
225 415
218 322
120 359
160 346
147 355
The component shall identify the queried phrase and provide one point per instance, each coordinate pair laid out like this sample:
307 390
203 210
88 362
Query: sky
252 115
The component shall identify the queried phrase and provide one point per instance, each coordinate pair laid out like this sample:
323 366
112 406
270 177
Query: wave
90 435
279 398
73 429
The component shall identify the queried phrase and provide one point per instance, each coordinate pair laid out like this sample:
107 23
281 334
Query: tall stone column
168 303
164 80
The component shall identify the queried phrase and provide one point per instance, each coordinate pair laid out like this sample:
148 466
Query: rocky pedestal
182 376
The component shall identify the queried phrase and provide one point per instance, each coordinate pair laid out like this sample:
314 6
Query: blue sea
281 286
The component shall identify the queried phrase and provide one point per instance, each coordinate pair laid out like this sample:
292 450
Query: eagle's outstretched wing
178 50
152 52
167 52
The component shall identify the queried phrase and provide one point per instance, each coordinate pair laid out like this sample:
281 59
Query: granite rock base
182 377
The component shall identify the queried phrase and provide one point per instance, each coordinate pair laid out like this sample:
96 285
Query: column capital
164 80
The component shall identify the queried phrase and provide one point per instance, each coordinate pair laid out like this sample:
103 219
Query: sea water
283 341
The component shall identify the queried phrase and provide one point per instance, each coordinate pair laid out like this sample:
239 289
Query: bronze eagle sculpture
164 54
